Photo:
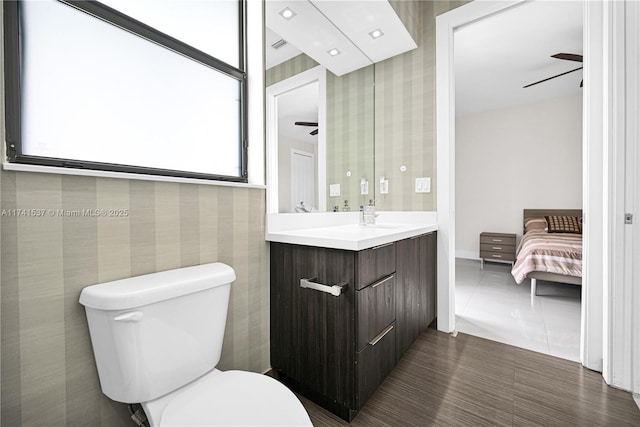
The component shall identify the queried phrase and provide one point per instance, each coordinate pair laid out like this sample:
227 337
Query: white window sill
124 175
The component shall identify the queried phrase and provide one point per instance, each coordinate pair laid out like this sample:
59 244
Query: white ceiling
497 56
281 54
319 26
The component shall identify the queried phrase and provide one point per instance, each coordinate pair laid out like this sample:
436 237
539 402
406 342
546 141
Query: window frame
12 70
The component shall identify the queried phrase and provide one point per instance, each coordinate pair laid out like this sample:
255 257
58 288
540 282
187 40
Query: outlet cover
423 185
364 188
384 186
334 190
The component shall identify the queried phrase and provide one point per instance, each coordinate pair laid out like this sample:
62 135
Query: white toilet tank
152 334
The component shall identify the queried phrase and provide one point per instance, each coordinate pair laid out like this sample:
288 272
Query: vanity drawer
375 309
375 263
374 362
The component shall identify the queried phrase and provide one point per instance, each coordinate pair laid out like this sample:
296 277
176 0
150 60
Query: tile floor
489 304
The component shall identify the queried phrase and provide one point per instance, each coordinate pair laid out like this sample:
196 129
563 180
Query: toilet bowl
157 340
229 398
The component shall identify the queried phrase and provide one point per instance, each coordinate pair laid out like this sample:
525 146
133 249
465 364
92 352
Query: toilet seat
235 398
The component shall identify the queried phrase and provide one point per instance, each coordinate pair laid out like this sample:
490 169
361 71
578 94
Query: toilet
157 340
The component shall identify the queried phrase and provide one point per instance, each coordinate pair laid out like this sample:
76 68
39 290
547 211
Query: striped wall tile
11 394
80 267
41 300
293 66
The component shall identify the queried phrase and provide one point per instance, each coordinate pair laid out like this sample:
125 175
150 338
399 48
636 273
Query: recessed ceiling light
333 52
376 33
287 13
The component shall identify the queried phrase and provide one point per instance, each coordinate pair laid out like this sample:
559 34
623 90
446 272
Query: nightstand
500 247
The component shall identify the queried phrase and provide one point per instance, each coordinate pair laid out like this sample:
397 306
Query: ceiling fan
314 124
565 56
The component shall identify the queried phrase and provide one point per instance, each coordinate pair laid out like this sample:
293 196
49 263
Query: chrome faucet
302 208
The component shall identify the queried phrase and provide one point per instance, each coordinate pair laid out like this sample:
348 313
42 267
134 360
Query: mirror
305 168
350 139
347 38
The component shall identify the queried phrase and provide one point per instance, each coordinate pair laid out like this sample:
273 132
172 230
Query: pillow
564 224
535 224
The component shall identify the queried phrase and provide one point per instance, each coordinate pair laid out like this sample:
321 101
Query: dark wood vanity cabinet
336 350
416 298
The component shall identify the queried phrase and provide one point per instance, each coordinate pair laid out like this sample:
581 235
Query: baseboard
468 255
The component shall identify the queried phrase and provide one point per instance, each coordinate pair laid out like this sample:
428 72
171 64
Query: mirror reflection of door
303 181
297 174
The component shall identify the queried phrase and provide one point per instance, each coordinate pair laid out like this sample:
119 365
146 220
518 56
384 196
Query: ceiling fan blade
568 56
306 123
314 132
561 74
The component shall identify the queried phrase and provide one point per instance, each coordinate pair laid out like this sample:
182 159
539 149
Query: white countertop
351 236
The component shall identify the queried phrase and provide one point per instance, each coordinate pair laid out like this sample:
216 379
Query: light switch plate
423 185
334 190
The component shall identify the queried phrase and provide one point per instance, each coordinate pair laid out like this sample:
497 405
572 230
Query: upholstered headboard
537 213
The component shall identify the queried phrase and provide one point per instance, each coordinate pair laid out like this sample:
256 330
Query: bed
551 247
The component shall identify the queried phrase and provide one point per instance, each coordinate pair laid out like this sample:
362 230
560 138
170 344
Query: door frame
594 196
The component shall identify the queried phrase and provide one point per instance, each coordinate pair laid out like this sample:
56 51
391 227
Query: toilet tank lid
150 288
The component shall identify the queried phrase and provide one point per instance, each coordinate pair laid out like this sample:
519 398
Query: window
144 86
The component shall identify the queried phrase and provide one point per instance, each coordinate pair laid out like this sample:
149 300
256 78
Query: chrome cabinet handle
334 290
496 256
496 240
496 248
381 281
381 335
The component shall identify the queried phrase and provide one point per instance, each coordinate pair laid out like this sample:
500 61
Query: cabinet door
428 276
312 332
409 295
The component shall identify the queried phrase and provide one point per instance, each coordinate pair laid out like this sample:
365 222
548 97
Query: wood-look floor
470 381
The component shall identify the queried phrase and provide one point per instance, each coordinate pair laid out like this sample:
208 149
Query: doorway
303 176
278 155
505 134
593 197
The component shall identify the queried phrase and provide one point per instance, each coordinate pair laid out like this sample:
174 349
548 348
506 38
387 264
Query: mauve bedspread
551 252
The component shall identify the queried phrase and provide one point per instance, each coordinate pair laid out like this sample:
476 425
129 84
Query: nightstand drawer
497 247
498 238
498 256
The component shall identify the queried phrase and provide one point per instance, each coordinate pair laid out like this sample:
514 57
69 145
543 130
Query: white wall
512 159
285 145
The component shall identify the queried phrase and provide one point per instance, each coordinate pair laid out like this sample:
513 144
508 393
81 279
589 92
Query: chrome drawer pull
381 335
497 248
496 256
497 240
334 290
381 281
